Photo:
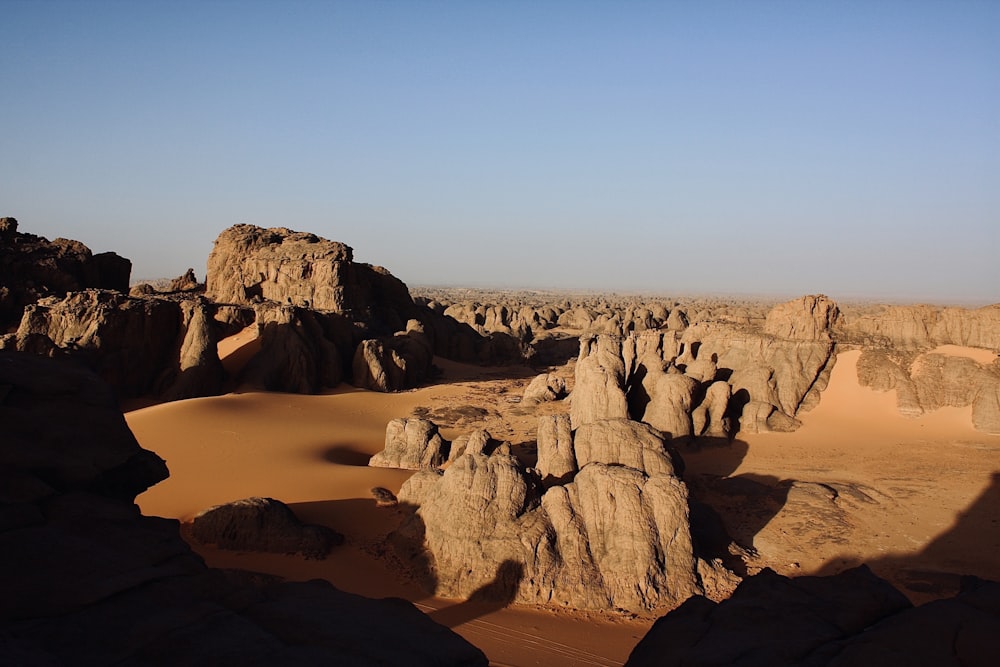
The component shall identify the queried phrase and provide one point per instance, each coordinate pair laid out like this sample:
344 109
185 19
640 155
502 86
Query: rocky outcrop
262 525
853 618
931 381
96 583
615 535
249 264
599 389
412 444
925 327
138 345
807 318
393 363
556 458
544 388
710 417
32 267
185 283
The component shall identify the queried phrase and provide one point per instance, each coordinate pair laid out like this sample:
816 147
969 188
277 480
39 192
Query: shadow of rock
345 455
970 547
494 596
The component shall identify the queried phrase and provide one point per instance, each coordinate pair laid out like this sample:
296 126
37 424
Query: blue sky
850 148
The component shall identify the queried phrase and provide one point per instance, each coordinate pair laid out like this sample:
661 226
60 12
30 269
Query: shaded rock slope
88 580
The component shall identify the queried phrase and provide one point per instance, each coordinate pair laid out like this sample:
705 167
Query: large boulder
556 458
626 443
411 444
262 525
394 363
806 318
543 388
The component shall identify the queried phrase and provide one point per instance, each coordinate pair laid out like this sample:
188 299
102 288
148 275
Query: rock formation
543 388
599 390
853 618
95 583
614 535
412 444
393 363
262 525
32 267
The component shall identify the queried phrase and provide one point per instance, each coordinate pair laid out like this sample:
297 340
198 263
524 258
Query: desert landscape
544 477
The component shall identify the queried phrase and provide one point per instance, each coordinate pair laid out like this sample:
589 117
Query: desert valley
303 461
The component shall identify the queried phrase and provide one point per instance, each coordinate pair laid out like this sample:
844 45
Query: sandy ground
918 499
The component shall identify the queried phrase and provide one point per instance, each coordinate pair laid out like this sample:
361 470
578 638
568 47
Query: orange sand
311 451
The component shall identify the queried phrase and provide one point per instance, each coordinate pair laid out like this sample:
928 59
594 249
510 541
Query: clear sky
850 148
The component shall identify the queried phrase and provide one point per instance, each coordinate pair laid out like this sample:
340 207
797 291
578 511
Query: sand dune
311 451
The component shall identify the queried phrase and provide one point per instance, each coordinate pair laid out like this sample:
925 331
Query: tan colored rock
671 397
627 443
543 388
807 318
412 444
710 417
393 363
599 391
556 460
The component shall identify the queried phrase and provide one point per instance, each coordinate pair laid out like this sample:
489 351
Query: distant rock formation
262 525
931 381
852 618
96 583
924 327
32 267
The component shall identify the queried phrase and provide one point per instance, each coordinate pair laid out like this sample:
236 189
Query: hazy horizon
784 148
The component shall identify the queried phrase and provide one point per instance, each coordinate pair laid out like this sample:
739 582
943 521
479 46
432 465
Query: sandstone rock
769 620
262 525
250 263
395 362
627 443
599 391
677 320
32 267
384 497
411 444
671 398
806 318
185 283
710 417
298 352
556 460
545 387
478 441
139 346
924 327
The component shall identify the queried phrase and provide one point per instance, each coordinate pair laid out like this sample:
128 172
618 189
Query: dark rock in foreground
853 618
88 580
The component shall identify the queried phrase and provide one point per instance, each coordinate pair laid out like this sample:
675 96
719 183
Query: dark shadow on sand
494 596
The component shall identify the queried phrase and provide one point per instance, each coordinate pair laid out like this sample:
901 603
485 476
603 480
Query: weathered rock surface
556 459
139 346
262 525
32 267
806 318
96 583
412 444
543 388
710 417
853 618
393 363
185 283
599 390
925 327
615 537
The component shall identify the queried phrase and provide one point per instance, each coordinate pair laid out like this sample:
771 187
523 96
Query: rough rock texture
932 381
249 264
853 618
32 267
93 582
806 318
262 525
615 537
412 444
185 283
924 327
670 401
545 387
627 443
299 350
710 418
393 363
139 346
556 459
599 391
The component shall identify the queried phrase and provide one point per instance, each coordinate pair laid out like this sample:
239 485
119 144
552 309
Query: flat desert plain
918 499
